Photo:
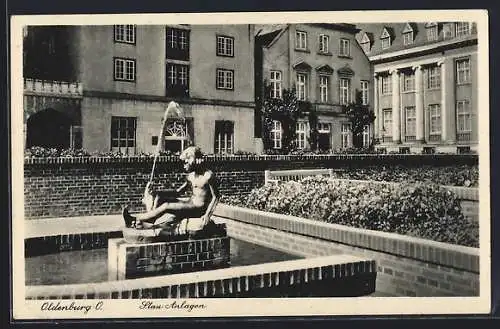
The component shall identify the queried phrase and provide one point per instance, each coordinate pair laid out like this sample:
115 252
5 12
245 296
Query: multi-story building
327 67
105 88
425 79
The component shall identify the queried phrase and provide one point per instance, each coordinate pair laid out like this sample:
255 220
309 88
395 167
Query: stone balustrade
59 88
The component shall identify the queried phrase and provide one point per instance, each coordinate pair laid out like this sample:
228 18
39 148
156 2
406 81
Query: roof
266 39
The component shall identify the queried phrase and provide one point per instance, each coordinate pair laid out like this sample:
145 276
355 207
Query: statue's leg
178 209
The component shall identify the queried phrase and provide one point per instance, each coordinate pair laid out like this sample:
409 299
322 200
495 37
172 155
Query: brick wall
64 187
406 266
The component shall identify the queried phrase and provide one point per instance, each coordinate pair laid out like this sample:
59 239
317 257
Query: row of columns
419 105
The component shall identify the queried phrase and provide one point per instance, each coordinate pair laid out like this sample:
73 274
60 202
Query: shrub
422 210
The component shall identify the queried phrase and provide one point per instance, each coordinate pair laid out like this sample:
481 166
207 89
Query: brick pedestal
128 260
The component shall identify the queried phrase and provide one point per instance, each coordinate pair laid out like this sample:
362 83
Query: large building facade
425 83
327 67
106 88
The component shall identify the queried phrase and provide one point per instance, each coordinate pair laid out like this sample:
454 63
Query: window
276 134
225 46
345 134
324 83
177 80
301 86
411 120
324 40
434 77
177 136
408 38
386 85
409 82
463 116
364 92
124 69
345 47
463 71
435 119
224 137
366 136
75 139
345 91
301 131
125 33
462 28
301 40
225 79
123 134
386 42
276 84
448 31
432 33
177 44
387 120
324 136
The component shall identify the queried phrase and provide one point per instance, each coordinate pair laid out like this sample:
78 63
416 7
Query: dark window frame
124 59
217 36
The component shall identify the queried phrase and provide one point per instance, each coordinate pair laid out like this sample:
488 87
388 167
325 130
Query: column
447 118
375 106
419 105
396 115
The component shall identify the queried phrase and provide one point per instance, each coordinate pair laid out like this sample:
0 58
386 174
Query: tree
359 116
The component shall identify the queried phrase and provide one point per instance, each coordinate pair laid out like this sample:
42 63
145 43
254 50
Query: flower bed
422 210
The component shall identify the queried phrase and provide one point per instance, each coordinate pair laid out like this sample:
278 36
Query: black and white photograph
250 164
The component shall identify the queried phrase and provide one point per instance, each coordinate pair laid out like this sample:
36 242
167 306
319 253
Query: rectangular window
276 134
386 85
435 119
177 80
462 28
224 137
463 116
225 46
366 136
409 82
448 31
177 44
411 121
432 33
124 69
345 91
301 131
324 136
324 85
276 81
125 33
345 135
345 47
301 86
408 38
225 79
463 71
301 40
123 134
364 92
386 42
324 40
434 77
387 119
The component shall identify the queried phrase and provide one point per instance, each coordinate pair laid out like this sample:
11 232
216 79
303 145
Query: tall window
124 69
463 71
387 119
345 135
276 134
435 119
386 42
324 40
434 77
276 84
301 131
409 82
301 86
123 134
324 135
177 80
225 79
324 84
345 91
177 44
408 38
366 136
411 121
462 28
345 47
125 33
301 40
432 33
386 85
364 92
463 116
224 137
225 46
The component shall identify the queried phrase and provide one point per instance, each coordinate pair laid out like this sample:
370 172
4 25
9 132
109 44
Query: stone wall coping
193 277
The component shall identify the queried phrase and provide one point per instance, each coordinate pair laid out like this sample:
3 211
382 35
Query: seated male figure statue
165 213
